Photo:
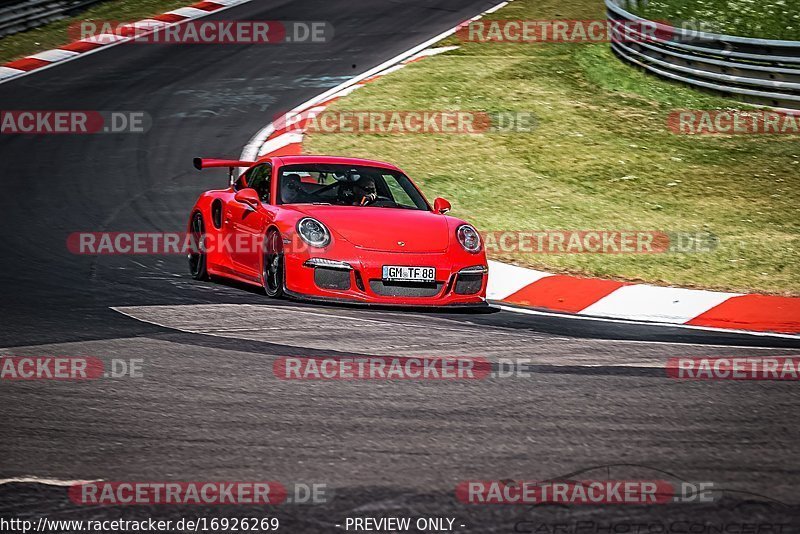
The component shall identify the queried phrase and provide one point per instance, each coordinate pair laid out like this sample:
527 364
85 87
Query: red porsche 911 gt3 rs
335 229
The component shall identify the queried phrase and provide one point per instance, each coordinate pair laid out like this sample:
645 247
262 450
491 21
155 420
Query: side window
258 178
399 195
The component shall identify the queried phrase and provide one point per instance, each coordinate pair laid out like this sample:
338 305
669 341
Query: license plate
393 273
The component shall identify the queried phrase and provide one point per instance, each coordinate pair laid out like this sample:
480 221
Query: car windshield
347 185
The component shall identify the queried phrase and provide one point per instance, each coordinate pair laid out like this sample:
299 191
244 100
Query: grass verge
601 158
765 19
55 34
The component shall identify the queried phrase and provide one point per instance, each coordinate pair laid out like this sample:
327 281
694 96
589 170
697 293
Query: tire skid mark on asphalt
145 314
316 331
500 369
457 326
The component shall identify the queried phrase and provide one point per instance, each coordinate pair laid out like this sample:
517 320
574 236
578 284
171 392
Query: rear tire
273 272
198 260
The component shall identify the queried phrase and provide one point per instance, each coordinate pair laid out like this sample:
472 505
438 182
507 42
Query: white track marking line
6 76
630 321
496 8
383 73
435 51
251 149
45 481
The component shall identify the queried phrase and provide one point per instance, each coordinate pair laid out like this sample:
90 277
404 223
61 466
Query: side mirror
248 197
441 205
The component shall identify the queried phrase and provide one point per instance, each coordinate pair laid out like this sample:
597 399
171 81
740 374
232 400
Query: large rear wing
232 164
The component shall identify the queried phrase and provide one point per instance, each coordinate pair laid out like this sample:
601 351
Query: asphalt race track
594 397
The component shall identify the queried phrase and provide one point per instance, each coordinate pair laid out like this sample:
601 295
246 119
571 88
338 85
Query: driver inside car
365 191
291 189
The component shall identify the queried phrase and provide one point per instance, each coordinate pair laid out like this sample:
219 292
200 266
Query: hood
384 228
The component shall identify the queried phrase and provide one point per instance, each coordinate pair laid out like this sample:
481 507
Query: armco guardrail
757 71
17 16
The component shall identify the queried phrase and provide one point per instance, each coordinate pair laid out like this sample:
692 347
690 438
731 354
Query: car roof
331 160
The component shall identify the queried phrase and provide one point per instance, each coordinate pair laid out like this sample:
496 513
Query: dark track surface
209 408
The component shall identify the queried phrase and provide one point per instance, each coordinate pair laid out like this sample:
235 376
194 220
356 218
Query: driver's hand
372 197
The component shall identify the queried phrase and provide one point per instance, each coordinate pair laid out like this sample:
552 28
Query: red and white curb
537 290
593 297
41 60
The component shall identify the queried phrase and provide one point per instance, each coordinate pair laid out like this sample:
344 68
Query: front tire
198 260
273 272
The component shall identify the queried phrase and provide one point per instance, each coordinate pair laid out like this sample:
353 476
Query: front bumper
330 280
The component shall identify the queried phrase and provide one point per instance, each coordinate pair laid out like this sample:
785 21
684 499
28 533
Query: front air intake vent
405 289
332 278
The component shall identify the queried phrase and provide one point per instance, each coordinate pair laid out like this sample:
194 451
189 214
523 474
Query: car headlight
469 238
313 232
